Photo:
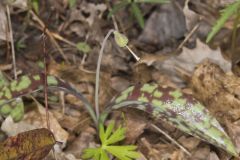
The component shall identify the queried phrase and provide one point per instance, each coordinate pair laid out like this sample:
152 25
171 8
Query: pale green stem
98 73
134 55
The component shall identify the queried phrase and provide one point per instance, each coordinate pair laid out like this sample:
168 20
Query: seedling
109 137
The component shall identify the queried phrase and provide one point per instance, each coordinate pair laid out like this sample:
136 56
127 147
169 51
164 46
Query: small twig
12 43
98 73
171 139
45 78
62 101
59 37
188 36
43 27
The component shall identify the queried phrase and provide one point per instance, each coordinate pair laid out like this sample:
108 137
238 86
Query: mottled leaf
15 108
179 109
29 84
34 144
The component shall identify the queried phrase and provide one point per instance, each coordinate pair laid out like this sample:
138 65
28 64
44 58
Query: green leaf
123 152
225 15
117 7
179 109
152 1
107 138
91 152
116 136
29 84
138 14
83 47
15 108
35 5
109 130
72 3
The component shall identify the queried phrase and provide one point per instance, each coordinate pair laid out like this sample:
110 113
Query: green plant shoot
109 137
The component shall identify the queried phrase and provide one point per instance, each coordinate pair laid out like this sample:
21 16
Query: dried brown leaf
33 144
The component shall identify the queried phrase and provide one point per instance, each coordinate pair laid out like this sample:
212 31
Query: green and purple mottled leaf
29 84
15 108
176 107
179 109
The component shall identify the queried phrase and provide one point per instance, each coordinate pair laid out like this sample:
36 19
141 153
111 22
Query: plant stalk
98 73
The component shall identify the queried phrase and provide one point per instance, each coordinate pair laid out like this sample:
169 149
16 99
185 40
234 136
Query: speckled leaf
29 84
180 109
34 144
15 108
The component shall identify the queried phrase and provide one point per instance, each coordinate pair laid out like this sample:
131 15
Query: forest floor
170 40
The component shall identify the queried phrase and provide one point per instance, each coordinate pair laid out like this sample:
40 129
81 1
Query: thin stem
134 55
45 78
171 139
98 73
12 43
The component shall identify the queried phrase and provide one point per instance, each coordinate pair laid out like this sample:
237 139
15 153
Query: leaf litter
89 25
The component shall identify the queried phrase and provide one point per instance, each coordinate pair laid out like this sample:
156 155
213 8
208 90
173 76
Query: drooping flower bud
120 39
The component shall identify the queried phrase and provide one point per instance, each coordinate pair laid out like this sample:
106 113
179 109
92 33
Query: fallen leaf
212 156
135 125
217 90
119 83
190 16
234 131
35 119
33 144
201 153
83 141
164 26
189 142
190 58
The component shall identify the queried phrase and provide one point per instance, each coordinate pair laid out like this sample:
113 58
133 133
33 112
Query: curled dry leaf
234 131
34 144
33 120
201 153
164 26
190 58
217 90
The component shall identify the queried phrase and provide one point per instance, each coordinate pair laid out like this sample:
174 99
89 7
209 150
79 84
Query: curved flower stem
98 72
